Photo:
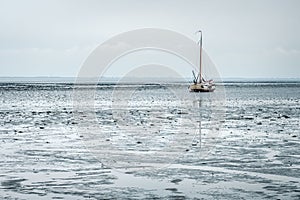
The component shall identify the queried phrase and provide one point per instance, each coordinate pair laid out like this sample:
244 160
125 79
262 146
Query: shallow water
132 142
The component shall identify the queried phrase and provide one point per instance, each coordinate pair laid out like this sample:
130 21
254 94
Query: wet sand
149 147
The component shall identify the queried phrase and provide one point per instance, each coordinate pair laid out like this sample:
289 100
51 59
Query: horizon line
237 77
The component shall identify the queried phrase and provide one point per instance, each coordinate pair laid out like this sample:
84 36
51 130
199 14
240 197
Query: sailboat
199 83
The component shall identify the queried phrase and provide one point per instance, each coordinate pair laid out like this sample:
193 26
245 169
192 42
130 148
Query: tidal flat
150 141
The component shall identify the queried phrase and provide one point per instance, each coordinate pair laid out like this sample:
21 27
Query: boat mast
200 71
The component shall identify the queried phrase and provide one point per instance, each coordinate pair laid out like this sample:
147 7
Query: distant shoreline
128 80
4 83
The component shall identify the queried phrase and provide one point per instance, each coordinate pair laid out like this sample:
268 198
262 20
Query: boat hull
199 87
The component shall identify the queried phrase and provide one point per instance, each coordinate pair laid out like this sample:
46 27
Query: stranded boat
199 84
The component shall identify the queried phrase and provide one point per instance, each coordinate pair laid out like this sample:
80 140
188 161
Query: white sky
251 39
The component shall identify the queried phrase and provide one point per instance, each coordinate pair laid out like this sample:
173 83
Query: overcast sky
250 38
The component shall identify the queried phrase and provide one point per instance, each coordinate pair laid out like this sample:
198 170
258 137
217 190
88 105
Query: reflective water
145 142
